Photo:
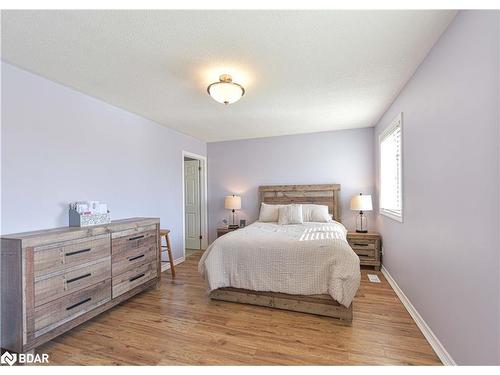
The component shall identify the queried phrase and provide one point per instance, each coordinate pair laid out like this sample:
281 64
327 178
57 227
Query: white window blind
391 189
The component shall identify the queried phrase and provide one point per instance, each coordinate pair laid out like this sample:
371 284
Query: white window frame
398 121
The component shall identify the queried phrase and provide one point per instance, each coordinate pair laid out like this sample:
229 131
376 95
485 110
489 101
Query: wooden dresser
52 280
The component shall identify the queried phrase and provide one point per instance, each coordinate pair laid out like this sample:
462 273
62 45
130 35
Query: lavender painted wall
239 167
445 256
59 145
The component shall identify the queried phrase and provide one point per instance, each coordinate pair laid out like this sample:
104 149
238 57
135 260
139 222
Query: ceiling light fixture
225 91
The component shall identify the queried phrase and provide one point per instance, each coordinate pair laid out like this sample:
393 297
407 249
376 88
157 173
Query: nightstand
367 246
223 231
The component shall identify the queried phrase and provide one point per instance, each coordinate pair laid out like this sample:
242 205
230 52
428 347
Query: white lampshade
232 202
361 203
226 91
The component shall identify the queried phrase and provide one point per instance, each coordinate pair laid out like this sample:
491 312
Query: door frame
203 201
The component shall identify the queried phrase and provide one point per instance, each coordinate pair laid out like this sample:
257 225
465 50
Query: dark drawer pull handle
137 257
136 277
135 238
78 278
360 244
78 304
78 252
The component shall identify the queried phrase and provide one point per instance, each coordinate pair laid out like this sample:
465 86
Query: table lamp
361 203
232 202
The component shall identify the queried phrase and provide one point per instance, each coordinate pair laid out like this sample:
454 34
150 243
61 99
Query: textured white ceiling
303 71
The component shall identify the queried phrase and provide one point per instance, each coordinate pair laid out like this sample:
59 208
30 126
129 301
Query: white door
192 203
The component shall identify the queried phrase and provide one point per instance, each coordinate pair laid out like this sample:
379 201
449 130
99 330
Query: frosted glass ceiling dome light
226 91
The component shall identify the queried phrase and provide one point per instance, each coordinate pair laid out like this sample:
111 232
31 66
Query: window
391 169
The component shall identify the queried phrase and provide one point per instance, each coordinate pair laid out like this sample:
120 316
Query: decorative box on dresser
367 246
53 280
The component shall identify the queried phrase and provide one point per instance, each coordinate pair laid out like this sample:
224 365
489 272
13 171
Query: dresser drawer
49 288
53 314
363 248
134 277
365 253
53 258
362 244
134 257
131 240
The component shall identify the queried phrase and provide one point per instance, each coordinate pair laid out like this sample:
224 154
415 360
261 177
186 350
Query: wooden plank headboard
326 194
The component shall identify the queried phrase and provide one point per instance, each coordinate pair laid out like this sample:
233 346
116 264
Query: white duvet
309 258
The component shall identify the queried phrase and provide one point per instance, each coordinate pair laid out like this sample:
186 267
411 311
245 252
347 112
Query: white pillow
269 212
316 213
290 214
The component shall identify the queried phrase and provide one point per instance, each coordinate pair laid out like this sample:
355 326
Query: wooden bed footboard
319 304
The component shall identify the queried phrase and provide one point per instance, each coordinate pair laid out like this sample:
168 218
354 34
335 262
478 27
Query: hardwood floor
190 252
177 324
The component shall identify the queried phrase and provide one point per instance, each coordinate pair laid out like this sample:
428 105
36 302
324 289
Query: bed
305 267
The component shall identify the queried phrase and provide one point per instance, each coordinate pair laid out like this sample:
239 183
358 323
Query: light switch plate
373 278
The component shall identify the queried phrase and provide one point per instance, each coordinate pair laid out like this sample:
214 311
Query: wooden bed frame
321 304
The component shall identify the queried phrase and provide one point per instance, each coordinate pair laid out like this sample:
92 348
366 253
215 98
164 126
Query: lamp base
233 226
361 223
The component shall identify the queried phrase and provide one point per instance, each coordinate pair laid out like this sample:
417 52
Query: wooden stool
164 233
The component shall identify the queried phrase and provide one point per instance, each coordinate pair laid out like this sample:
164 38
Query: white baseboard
166 265
440 350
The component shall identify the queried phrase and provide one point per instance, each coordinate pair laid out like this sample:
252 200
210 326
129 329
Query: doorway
194 181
